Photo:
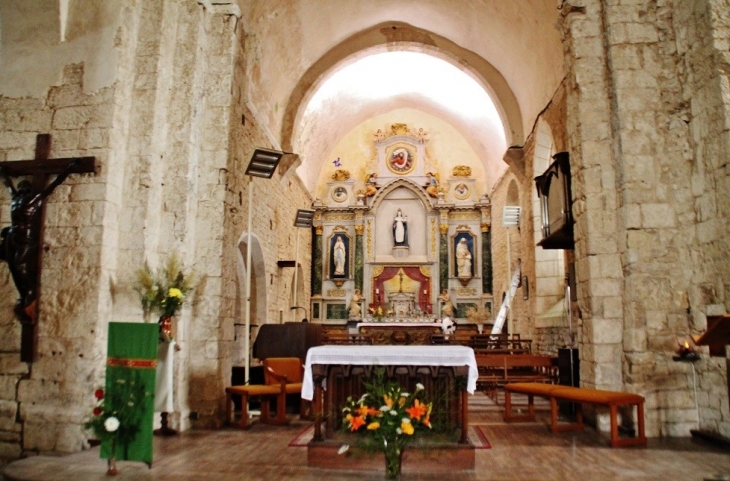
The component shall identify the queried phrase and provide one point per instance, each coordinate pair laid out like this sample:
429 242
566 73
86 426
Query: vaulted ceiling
312 68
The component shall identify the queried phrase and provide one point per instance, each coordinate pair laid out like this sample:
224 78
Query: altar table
400 333
335 368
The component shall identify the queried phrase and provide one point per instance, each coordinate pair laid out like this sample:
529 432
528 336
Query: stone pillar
646 102
595 200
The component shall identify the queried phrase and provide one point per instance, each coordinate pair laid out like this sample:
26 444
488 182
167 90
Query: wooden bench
554 393
248 392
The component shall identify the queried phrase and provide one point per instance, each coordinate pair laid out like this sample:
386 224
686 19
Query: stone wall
701 31
44 403
172 138
502 270
545 286
637 221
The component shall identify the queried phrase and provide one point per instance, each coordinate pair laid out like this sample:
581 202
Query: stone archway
258 291
401 35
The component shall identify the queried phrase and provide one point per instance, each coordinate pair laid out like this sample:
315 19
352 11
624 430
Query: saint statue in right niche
464 256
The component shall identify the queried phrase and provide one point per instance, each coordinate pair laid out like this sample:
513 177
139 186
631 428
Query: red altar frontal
334 373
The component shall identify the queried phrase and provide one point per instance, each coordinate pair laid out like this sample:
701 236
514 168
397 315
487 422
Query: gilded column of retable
359 257
317 262
443 257
486 258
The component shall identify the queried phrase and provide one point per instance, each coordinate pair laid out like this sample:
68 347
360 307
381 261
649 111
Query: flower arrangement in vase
390 415
117 416
164 291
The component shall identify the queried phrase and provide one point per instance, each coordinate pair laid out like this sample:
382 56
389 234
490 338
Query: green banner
132 355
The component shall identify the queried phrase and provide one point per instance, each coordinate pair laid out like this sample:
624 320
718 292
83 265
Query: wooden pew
497 370
530 368
491 372
500 344
555 393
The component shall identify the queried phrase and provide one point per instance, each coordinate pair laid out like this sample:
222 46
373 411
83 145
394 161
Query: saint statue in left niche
339 257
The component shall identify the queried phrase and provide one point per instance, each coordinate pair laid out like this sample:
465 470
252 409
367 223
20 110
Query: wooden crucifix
20 243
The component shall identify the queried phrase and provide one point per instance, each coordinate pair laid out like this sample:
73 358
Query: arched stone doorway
258 295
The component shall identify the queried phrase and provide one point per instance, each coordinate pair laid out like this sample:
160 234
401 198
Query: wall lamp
306 314
304 218
263 163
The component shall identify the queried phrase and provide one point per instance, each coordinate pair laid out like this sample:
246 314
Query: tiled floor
525 451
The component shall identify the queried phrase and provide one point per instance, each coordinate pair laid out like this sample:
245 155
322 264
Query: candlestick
686 353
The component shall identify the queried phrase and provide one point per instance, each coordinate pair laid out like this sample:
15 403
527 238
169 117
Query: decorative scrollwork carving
329 217
399 129
341 174
461 171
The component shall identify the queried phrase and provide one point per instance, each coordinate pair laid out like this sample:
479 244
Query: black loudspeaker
568 375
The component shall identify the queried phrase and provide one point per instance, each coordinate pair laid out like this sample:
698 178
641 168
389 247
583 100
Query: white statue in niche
400 230
339 257
463 259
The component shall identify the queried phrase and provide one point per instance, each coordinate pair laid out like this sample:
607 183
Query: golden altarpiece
402 240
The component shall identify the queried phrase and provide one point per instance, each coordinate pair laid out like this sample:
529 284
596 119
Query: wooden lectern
717 337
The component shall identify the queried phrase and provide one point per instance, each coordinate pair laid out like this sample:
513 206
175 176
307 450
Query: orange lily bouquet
390 415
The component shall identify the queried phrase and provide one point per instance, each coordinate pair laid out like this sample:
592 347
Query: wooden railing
487 343
343 337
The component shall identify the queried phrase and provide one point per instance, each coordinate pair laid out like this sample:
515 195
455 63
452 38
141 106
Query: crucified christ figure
20 242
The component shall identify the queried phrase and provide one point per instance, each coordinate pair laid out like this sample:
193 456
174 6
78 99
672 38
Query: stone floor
524 451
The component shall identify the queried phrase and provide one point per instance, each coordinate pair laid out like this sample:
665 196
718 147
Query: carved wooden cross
20 243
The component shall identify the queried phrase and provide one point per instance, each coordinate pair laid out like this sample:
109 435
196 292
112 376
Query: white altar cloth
389 356
163 380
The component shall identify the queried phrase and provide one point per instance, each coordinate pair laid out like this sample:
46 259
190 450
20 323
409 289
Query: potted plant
390 415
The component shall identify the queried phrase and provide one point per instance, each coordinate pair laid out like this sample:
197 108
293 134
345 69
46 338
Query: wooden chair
287 373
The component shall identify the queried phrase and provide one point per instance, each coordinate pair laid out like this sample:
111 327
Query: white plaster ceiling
512 49
387 81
